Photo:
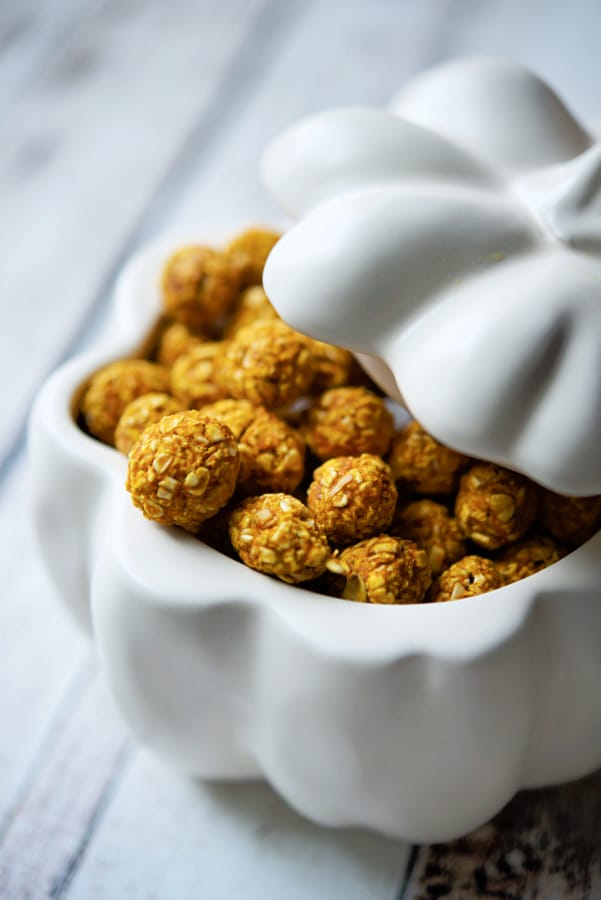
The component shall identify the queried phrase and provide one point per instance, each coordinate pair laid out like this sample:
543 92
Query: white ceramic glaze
418 721
458 238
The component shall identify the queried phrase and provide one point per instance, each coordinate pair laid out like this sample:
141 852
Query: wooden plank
170 838
544 844
45 841
30 33
83 152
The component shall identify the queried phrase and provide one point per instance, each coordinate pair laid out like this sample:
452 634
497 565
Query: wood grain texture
545 845
168 837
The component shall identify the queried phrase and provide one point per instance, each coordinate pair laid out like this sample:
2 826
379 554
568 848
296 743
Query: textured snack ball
113 387
194 375
382 569
468 577
199 287
571 520
248 253
276 534
333 366
528 556
272 453
432 528
176 340
495 506
348 421
352 497
251 306
139 414
267 363
422 465
183 469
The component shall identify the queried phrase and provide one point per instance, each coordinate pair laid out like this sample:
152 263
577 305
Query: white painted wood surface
120 119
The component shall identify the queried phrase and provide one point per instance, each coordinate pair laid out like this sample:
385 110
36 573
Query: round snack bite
382 569
348 421
113 387
528 556
183 469
267 363
333 366
199 287
176 340
421 464
272 453
495 506
248 253
276 534
252 306
194 375
571 520
352 497
141 413
432 528
468 577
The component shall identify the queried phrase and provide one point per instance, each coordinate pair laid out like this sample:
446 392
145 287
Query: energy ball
348 421
252 306
571 520
272 453
333 366
423 466
528 556
113 387
382 569
183 469
434 530
468 577
194 375
267 363
141 413
276 534
176 340
495 506
248 253
352 497
199 287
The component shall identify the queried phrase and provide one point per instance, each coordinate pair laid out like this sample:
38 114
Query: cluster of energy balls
277 448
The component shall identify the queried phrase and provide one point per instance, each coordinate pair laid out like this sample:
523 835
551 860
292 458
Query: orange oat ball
382 569
141 413
272 453
183 469
432 528
468 577
267 363
348 421
113 387
251 306
571 520
528 556
495 506
276 534
248 253
199 287
423 466
333 366
352 497
194 375
176 340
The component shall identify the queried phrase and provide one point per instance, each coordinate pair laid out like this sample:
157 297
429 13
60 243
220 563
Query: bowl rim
159 563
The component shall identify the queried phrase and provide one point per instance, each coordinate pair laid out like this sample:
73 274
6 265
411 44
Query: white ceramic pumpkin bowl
417 721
